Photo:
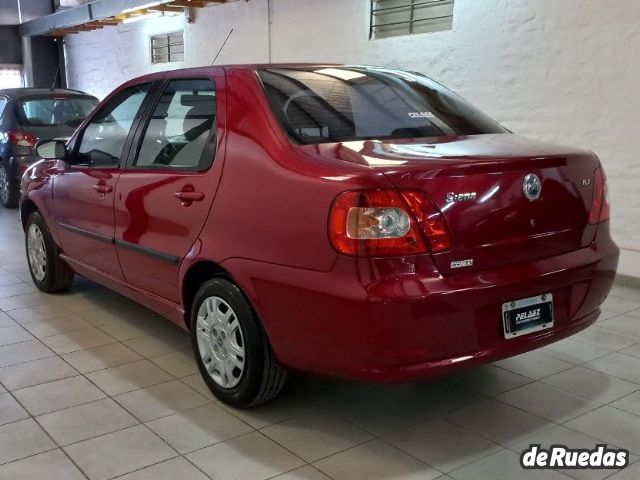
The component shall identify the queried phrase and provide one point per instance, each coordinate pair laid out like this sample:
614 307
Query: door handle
188 195
103 188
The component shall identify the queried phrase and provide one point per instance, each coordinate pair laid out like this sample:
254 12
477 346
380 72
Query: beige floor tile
55 326
614 426
490 379
15 290
503 465
498 422
78 340
160 400
548 402
611 425
625 324
22 439
618 365
606 338
176 468
44 466
128 328
41 312
86 421
6 320
155 345
197 383
573 351
120 452
629 403
591 384
35 372
52 396
98 317
630 473
10 410
625 292
620 305
15 301
249 457
633 350
303 473
534 365
179 364
375 459
442 444
102 357
23 352
7 279
14 334
128 377
198 428
316 435
284 407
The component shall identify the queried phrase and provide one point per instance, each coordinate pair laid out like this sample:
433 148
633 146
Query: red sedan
352 221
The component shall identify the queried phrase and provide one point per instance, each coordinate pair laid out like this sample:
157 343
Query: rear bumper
397 319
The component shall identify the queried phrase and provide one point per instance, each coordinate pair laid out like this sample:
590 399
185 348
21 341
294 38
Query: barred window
391 18
168 47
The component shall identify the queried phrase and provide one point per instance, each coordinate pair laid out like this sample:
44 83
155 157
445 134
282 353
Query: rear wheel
49 273
8 189
232 351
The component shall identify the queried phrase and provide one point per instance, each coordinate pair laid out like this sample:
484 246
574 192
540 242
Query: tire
226 333
49 273
9 190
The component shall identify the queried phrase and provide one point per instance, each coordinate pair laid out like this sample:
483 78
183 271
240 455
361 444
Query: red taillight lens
22 139
600 208
386 222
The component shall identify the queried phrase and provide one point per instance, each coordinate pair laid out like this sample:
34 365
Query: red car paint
262 214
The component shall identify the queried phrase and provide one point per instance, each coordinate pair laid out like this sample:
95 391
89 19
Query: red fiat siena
351 221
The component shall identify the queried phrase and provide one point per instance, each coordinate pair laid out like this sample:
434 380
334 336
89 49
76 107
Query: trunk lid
477 183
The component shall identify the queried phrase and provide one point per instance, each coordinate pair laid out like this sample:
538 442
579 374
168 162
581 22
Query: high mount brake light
387 222
600 208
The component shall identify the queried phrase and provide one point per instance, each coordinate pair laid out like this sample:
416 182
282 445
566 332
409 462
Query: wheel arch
197 274
27 207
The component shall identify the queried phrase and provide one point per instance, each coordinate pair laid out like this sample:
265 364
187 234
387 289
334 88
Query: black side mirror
51 149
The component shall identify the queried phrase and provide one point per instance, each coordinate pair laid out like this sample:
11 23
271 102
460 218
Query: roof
16 93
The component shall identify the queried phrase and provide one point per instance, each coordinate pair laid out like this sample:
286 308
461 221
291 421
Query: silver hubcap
220 342
37 253
4 185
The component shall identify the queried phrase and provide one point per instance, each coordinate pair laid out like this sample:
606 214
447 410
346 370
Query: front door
84 192
164 196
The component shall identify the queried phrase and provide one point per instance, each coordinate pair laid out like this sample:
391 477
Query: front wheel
49 273
9 191
232 351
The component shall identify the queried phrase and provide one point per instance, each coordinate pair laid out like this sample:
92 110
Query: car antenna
55 77
222 47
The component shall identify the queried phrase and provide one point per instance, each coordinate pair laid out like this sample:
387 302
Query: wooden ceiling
168 6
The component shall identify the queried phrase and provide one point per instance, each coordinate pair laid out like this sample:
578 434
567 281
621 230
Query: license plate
527 315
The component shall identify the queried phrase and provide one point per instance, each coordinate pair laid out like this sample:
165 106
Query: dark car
351 221
28 115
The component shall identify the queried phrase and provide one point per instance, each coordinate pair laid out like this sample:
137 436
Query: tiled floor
95 386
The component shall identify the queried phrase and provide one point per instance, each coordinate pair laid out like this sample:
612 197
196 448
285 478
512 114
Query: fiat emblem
532 187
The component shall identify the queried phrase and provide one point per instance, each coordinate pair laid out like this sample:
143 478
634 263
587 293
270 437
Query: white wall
561 70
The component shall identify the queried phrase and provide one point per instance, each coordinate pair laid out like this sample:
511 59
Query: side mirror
51 149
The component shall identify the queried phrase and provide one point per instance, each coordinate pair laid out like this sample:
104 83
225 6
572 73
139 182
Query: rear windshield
316 105
54 112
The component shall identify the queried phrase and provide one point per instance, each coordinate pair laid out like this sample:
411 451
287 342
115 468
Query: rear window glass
316 105
50 112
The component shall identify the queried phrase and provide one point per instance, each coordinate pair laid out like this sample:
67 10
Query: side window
181 126
104 138
3 103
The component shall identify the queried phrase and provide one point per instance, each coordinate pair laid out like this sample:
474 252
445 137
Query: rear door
165 193
84 191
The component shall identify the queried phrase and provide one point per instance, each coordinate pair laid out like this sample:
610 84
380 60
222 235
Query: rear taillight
386 222
600 208
22 139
